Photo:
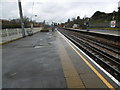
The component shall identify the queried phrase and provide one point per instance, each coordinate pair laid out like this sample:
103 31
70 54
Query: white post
32 28
18 33
7 37
7 32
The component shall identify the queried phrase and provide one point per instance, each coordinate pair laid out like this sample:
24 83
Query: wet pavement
32 62
47 60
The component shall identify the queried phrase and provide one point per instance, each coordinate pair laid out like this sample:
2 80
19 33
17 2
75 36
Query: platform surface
46 60
106 32
109 32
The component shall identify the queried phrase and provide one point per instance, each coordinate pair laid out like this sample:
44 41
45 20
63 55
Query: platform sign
113 23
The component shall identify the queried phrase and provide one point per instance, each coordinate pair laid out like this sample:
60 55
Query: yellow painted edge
95 71
72 78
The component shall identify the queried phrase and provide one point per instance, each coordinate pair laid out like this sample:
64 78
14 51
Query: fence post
17 31
7 37
7 32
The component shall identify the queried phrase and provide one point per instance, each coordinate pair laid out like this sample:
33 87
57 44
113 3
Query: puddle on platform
11 75
39 46
41 39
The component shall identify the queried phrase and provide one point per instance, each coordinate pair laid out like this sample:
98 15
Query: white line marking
108 74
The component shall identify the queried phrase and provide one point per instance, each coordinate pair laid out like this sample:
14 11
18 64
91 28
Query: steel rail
90 49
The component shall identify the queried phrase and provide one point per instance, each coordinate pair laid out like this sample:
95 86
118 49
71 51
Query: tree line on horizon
16 23
97 20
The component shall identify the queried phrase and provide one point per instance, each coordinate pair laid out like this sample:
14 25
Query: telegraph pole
21 18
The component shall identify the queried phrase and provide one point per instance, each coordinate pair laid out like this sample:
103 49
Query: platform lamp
87 24
32 24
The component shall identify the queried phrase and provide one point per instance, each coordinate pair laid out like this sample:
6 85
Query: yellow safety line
72 78
96 72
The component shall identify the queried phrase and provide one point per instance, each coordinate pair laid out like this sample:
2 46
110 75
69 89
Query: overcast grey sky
56 10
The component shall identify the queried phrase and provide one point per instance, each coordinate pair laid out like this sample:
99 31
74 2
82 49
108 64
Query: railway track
105 55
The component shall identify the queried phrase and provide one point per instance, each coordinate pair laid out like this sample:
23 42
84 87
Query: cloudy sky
56 10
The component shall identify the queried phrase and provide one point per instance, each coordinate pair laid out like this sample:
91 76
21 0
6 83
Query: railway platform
104 32
107 32
50 60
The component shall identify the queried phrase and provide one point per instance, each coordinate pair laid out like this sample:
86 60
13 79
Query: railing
11 34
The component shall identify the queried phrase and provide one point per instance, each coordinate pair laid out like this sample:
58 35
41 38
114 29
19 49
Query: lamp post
21 18
119 14
87 24
119 5
32 25
52 26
